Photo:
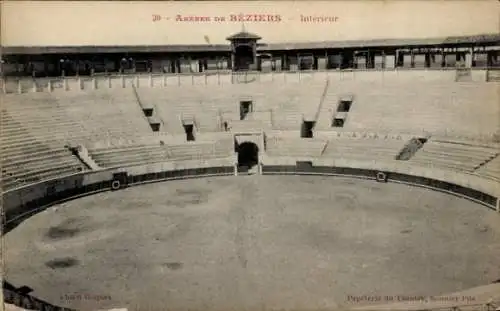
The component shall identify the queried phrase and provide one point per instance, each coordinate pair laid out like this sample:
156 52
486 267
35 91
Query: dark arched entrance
248 156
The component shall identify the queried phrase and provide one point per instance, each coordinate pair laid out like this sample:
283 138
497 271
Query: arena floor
254 242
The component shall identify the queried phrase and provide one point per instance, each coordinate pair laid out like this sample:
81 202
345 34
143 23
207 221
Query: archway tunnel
248 154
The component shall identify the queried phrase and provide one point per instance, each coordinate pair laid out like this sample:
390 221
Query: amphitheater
369 189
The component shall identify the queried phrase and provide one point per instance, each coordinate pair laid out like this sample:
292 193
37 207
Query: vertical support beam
19 87
45 67
443 58
327 65
254 53
469 56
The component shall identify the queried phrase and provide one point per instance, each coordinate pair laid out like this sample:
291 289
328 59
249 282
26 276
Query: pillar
379 62
321 63
195 65
19 87
390 61
469 56
265 65
407 60
254 51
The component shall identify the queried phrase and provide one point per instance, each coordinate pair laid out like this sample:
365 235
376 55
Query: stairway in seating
321 101
326 111
150 112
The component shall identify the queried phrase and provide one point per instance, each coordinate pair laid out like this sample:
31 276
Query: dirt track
254 242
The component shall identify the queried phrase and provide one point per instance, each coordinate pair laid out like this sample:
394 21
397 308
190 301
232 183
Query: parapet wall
26 85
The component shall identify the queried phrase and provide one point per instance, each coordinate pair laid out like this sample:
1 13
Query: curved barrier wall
23 202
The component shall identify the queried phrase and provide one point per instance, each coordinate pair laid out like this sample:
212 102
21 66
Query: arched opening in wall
243 57
248 156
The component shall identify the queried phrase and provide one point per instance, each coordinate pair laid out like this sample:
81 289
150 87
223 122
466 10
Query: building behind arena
175 37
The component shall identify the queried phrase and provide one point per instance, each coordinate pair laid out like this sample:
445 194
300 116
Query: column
321 63
232 61
254 51
469 56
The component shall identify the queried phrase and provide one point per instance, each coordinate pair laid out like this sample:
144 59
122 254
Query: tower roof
244 35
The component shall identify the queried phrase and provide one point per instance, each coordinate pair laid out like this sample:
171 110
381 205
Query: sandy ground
254 242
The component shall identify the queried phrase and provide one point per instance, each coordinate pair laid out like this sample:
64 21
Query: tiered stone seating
26 160
362 146
110 123
76 117
282 146
196 104
209 107
452 109
129 155
37 126
453 155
